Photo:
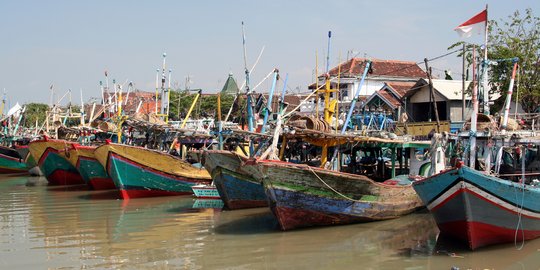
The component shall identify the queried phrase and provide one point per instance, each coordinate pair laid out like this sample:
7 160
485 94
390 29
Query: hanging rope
328 186
519 225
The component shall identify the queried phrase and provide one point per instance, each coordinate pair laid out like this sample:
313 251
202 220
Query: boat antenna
328 52
248 91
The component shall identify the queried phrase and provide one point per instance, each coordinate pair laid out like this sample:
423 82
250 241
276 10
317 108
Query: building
389 99
145 102
448 95
381 72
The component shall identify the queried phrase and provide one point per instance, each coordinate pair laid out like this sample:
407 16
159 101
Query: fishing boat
300 195
33 168
206 192
481 202
481 209
82 157
53 162
11 161
236 186
139 172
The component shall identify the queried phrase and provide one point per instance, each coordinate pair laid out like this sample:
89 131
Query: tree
35 111
206 105
519 36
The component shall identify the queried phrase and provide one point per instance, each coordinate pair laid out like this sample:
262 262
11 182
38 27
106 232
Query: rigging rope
519 225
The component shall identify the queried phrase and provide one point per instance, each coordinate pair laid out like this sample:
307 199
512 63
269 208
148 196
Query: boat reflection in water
98 230
390 244
65 227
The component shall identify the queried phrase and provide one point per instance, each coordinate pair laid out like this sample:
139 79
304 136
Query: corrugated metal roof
450 89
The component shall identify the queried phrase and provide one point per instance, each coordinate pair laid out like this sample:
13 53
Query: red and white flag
475 25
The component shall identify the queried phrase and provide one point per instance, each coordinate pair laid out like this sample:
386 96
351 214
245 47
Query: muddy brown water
55 227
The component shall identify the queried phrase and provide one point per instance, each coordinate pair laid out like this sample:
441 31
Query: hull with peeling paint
139 172
53 163
304 196
234 182
480 209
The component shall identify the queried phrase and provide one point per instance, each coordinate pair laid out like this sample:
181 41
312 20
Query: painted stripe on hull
479 219
481 234
12 165
135 180
432 188
338 211
238 191
464 187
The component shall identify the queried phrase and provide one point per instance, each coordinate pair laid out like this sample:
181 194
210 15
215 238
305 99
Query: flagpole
486 35
485 91
472 132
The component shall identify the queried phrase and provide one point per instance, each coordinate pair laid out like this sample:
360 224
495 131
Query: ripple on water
43 226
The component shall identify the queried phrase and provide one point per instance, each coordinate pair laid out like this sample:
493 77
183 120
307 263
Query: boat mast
509 95
485 92
168 98
3 102
269 101
164 91
248 91
353 102
157 87
327 90
327 117
474 116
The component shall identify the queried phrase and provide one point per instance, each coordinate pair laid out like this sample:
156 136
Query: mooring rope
337 192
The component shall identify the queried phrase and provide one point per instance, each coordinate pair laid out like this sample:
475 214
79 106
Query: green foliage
206 106
34 111
519 36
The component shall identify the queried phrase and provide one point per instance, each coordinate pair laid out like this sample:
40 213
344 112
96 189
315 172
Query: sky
69 44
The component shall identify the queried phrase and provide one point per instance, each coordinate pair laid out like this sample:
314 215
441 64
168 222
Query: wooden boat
82 157
206 192
303 196
236 186
139 172
53 163
11 161
482 209
487 207
33 168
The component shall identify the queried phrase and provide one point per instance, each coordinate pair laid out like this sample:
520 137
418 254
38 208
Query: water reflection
54 227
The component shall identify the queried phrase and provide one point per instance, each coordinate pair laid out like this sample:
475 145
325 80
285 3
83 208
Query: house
145 102
448 95
389 98
381 72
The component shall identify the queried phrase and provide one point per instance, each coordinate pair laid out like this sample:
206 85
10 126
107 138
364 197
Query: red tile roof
387 68
386 95
400 88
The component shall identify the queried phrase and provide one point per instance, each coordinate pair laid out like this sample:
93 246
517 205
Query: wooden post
432 94
393 161
463 105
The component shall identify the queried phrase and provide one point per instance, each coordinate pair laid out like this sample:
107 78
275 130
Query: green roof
230 86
